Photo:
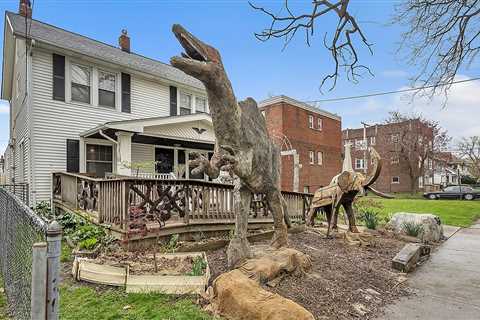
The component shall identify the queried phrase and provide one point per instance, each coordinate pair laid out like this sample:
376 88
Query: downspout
115 142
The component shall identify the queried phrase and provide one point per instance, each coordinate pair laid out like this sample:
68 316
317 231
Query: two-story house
80 105
311 142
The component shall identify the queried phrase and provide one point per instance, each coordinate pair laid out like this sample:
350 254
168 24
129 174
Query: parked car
454 192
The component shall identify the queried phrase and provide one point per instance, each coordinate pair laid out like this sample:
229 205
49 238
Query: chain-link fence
20 228
21 190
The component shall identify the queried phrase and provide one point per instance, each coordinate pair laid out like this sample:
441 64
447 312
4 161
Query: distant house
385 138
311 141
80 105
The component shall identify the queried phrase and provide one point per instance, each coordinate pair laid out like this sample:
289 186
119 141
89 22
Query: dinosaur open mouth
191 50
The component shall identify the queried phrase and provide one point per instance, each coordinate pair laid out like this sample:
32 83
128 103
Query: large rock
237 297
432 226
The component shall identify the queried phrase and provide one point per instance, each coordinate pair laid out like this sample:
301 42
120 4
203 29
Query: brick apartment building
311 141
385 139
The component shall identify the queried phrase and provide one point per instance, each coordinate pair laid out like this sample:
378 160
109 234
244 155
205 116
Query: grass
451 212
3 302
84 302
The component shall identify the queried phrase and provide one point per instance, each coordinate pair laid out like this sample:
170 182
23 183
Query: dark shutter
173 101
126 99
73 155
58 77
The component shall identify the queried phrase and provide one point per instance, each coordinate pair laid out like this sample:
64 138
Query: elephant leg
275 203
330 213
239 248
312 214
351 217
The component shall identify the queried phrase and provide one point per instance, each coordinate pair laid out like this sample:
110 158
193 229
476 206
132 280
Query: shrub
44 210
198 267
172 243
70 222
370 217
88 236
412 228
88 244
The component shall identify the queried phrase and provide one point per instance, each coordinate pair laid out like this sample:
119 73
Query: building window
320 158
395 138
311 156
359 164
395 160
200 104
395 180
310 121
99 159
360 144
106 89
373 141
185 103
263 114
80 76
319 124
306 189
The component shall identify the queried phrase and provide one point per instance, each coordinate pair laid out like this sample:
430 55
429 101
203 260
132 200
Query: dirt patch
345 282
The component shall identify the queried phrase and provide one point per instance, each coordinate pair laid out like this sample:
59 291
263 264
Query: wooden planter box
87 270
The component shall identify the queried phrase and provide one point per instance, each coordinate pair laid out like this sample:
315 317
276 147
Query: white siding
142 153
55 121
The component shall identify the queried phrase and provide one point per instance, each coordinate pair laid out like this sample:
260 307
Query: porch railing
137 204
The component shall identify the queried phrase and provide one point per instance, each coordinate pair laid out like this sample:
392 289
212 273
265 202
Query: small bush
412 228
370 218
198 267
172 243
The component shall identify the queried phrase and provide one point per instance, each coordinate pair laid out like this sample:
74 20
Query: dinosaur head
199 60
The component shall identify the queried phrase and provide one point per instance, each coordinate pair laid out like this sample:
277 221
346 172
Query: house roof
193 127
296 103
61 38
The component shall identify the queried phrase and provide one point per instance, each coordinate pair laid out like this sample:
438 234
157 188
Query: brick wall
288 120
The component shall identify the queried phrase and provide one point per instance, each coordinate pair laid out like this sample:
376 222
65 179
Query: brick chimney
124 41
25 8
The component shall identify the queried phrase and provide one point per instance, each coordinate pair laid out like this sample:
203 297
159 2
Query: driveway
448 285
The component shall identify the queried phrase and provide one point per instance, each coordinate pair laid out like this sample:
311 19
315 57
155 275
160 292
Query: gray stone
432 226
406 260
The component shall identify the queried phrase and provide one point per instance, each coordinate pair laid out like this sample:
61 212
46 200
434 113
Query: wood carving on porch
88 195
342 191
244 147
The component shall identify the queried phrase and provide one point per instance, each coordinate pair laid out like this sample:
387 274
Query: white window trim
311 124
117 89
362 161
396 182
194 96
98 142
319 124
320 158
311 157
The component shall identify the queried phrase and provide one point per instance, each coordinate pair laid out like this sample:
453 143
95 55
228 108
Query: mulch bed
345 282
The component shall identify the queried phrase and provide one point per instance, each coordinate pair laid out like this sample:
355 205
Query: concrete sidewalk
448 285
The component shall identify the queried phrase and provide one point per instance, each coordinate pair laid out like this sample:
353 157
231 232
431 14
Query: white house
80 105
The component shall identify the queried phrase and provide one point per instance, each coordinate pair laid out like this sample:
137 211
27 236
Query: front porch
136 208
147 148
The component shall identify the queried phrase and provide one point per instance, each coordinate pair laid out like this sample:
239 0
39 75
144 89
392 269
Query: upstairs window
373 140
360 144
185 104
310 122
319 124
80 83
359 164
311 156
395 138
200 104
395 160
320 158
106 89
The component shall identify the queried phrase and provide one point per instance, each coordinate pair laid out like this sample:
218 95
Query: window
395 138
185 103
80 83
319 157
311 156
395 160
319 124
263 114
359 164
99 159
373 140
106 89
360 144
310 121
395 180
200 104
306 189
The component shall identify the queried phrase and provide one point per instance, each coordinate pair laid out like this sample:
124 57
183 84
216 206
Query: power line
390 92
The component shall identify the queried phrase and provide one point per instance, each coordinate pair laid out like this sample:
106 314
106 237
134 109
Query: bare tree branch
469 150
442 36
341 46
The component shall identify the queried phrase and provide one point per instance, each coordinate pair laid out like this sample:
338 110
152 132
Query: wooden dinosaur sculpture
244 146
342 191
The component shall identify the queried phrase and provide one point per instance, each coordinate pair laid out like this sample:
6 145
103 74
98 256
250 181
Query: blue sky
262 69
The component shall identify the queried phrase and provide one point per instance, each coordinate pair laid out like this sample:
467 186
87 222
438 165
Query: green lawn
83 302
452 212
3 303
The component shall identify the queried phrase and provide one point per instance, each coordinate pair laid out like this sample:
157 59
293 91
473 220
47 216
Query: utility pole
365 145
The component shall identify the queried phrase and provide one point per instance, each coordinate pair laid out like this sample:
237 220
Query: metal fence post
54 240
39 280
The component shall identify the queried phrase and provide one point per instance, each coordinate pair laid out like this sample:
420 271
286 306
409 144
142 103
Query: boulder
236 296
432 226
